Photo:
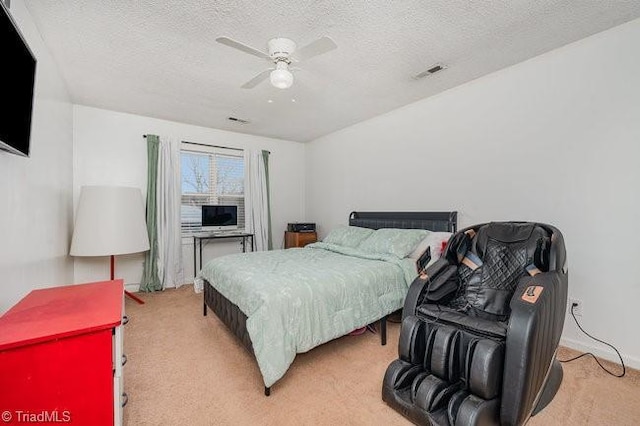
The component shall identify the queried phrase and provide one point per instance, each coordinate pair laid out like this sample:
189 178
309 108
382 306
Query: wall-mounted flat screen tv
17 76
219 218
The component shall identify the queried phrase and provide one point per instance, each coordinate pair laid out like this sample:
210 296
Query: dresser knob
124 359
125 320
125 399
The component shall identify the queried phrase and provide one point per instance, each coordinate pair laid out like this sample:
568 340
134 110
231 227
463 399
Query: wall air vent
432 70
238 120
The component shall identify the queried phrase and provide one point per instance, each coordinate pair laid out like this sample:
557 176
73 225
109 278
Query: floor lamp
110 220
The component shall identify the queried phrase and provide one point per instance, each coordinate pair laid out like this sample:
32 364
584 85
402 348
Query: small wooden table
299 239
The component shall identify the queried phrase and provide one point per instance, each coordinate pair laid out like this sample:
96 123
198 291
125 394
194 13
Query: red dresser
61 356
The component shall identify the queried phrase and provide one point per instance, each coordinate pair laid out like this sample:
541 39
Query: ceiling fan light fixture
281 51
281 77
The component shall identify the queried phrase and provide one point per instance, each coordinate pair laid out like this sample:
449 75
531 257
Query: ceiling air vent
238 120
432 70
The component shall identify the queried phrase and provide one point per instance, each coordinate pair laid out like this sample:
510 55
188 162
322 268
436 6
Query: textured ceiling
159 58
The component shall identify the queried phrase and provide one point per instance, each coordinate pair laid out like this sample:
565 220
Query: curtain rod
212 146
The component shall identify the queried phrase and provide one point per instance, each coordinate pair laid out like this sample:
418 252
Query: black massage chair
480 329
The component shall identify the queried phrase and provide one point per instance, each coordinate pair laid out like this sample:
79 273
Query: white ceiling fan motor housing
281 48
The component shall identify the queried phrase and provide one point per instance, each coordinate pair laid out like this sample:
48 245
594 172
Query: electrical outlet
576 305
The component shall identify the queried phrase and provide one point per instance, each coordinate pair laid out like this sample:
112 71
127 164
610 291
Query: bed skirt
229 314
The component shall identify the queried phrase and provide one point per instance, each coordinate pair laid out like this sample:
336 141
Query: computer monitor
219 217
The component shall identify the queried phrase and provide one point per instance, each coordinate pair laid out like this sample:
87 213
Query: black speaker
301 227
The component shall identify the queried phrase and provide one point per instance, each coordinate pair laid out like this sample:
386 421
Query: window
210 175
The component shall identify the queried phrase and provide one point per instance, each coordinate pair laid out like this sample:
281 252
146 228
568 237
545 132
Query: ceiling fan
281 54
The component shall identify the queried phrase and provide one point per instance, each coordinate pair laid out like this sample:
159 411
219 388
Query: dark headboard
433 221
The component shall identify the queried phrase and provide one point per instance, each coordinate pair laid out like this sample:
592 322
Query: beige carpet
186 369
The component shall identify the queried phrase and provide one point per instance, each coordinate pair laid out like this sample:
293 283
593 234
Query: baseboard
132 288
135 287
601 351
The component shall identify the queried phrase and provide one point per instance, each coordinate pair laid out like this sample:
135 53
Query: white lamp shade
281 78
110 220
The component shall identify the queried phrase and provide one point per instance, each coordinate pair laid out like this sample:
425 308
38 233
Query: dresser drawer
118 354
119 360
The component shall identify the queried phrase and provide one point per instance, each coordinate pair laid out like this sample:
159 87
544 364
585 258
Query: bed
283 302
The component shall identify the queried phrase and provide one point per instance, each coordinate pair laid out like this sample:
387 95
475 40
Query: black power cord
624 370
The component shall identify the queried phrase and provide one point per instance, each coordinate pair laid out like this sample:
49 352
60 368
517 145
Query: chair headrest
528 235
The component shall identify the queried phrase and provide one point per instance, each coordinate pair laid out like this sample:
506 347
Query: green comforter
297 299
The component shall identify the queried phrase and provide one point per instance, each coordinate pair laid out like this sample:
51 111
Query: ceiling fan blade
256 80
315 48
243 47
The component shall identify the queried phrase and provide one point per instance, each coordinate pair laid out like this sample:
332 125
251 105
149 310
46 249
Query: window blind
210 175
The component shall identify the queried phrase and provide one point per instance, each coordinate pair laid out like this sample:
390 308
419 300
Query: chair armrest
436 275
535 325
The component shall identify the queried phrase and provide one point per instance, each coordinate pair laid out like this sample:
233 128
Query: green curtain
150 280
265 158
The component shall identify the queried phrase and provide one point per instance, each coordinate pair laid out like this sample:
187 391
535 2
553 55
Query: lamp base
127 293
134 297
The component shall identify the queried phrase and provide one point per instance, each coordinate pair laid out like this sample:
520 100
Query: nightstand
299 239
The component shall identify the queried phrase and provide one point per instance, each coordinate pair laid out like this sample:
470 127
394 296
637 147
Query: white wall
109 149
36 213
554 139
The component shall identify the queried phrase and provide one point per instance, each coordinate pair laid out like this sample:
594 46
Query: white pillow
433 240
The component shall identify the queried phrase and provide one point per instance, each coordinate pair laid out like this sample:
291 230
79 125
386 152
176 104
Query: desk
197 238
